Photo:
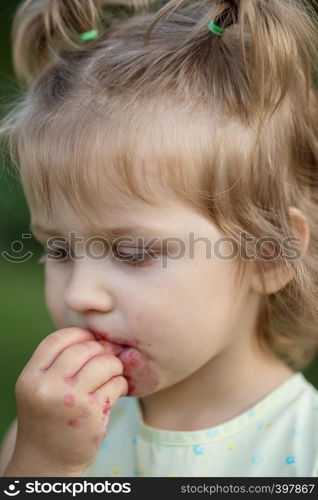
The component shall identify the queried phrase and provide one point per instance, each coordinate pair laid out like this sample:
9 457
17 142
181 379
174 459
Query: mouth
98 335
103 337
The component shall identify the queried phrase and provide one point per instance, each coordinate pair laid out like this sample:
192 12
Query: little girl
169 160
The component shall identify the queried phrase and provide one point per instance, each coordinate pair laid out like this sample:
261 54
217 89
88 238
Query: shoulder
8 445
287 429
305 424
306 403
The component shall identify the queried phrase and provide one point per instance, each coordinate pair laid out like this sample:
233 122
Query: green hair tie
215 29
89 35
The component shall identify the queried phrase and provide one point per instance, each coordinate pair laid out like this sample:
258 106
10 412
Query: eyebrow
108 233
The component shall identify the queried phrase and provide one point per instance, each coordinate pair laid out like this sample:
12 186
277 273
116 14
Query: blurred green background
24 318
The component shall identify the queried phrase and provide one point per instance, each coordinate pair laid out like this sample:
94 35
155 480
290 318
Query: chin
141 388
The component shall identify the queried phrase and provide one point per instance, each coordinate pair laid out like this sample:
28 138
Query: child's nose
89 288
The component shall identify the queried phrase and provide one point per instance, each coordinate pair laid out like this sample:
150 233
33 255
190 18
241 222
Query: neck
231 383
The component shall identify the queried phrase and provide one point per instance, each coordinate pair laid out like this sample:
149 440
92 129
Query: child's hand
61 417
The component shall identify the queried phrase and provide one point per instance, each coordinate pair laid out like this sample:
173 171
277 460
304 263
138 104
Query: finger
52 346
97 371
107 394
72 359
111 347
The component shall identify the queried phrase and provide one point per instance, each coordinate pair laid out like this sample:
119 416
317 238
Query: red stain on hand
93 398
79 421
72 381
106 408
98 439
69 400
73 422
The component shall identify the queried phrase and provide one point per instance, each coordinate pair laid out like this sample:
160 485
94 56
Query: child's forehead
105 160
168 217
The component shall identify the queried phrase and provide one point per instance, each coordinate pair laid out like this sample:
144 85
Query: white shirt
277 437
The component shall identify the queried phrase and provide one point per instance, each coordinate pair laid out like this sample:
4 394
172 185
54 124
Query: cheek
182 317
55 286
155 312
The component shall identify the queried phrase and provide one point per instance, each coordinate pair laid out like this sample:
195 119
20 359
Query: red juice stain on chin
69 400
131 387
131 359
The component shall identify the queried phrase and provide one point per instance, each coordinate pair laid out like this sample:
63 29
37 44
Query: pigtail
277 41
42 28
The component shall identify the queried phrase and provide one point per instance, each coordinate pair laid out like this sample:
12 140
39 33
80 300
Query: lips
104 337
99 335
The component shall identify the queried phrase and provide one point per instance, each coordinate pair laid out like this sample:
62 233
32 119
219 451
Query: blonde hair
228 123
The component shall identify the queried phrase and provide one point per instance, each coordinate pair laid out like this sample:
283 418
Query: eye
60 255
136 259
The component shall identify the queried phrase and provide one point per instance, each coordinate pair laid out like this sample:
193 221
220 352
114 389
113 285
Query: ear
276 277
